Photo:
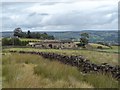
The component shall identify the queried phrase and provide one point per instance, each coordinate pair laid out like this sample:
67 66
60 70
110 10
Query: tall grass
10 72
39 72
17 74
96 57
57 71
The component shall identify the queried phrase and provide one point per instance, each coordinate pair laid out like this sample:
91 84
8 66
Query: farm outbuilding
57 44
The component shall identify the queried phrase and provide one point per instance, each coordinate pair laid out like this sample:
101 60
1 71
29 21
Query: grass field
32 40
33 71
93 56
95 45
27 39
115 49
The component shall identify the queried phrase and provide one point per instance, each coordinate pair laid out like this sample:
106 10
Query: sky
59 15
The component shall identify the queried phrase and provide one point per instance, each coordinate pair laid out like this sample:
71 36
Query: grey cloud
43 1
34 13
81 18
101 17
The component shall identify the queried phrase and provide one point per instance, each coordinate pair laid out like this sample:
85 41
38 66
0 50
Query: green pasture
115 49
93 56
95 45
32 40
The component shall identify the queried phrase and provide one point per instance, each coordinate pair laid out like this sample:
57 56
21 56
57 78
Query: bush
5 42
99 47
13 41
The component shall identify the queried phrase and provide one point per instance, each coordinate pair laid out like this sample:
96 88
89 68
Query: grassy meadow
115 49
33 71
93 56
112 49
95 45
32 40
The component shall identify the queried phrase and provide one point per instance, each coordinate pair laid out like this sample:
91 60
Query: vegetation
29 39
17 41
33 71
95 46
39 72
104 48
84 39
106 44
115 49
94 36
14 42
18 32
93 56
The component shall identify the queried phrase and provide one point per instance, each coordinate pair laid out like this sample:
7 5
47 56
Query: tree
84 39
17 32
28 34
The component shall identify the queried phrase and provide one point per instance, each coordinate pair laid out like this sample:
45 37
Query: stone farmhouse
56 44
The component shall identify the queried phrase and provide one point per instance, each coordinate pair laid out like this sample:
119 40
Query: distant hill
95 36
7 34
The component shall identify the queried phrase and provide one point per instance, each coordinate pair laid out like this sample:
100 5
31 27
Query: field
27 39
93 56
115 49
94 45
60 44
33 71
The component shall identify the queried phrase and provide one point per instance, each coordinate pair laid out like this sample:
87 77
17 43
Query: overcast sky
64 15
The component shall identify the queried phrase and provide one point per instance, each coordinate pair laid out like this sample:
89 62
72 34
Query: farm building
54 44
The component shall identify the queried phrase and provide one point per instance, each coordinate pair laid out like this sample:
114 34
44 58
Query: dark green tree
84 39
18 32
28 34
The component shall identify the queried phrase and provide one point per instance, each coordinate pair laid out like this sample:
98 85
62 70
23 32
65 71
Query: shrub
99 47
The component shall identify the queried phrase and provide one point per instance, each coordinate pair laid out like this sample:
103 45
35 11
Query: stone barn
57 44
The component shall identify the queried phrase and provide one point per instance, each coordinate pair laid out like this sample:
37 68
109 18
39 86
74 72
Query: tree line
18 33
35 35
